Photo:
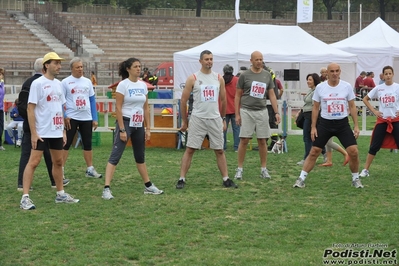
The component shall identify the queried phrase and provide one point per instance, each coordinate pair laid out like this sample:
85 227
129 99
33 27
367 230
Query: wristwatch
123 130
224 118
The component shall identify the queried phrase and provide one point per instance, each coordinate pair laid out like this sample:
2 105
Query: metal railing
107 107
19 5
58 26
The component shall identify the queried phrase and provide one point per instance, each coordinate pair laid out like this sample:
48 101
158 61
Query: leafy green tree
134 6
70 3
329 5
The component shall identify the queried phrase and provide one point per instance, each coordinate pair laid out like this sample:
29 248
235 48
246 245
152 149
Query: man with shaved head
254 86
336 100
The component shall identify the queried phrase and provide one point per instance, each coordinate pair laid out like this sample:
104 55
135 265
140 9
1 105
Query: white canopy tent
283 47
376 46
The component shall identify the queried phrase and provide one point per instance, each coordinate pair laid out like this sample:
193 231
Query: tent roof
277 43
376 38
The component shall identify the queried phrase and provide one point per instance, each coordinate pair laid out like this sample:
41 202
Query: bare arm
146 108
366 101
32 125
237 105
222 96
315 116
353 112
119 101
273 101
183 101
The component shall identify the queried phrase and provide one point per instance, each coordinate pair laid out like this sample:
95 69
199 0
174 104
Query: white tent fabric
376 46
283 47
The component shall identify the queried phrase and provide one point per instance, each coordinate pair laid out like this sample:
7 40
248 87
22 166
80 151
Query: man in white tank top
336 100
206 119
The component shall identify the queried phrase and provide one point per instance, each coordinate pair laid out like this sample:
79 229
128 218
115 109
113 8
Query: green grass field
263 222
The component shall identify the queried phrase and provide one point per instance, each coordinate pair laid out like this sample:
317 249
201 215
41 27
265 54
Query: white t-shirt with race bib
77 92
334 100
388 97
135 95
49 99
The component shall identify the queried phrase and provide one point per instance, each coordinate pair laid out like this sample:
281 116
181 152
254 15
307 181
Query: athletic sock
148 184
303 175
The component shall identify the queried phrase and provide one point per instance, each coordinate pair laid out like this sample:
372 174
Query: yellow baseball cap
51 56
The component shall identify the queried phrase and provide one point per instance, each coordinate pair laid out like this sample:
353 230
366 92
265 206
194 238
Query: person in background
382 81
368 83
312 81
2 93
207 118
132 115
46 121
231 84
253 88
26 145
336 100
386 130
323 74
359 82
17 122
242 69
80 113
93 79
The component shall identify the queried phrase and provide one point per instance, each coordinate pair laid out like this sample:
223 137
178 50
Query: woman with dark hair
132 114
312 80
386 130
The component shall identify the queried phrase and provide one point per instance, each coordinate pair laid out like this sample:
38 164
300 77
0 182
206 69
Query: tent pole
349 18
360 18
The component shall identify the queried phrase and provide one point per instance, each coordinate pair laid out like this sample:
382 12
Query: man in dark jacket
26 145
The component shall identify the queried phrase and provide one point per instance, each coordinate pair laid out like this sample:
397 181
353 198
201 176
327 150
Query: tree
329 5
134 6
199 7
70 3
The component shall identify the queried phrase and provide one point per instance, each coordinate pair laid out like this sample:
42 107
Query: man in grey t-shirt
253 87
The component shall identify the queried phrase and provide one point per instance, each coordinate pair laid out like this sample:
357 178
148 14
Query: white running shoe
357 184
93 173
301 162
152 190
66 198
27 204
107 194
19 143
238 174
364 173
299 183
265 174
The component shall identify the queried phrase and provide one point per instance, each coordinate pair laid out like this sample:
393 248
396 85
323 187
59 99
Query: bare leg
242 149
311 159
186 161
262 144
354 158
34 160
221 162
88 155
369 160
109 173
57 159
142 167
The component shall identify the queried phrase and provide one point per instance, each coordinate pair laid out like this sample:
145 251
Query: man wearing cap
26 141
230 85
46 122
359 82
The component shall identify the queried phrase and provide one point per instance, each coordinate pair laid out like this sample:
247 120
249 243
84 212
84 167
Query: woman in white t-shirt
387 117
132 114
